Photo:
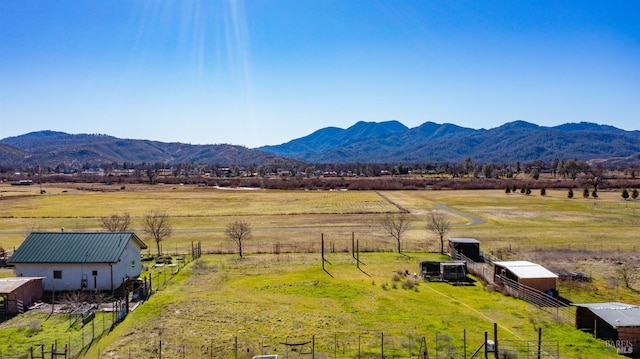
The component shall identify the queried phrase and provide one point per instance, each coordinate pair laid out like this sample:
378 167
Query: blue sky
263 72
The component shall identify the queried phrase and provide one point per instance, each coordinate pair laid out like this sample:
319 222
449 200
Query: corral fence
558 308
88 324
561 310
81 335
336 345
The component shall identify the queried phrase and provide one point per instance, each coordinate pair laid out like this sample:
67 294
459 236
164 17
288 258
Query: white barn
79 260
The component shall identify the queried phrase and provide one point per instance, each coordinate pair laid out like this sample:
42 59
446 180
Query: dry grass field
515 225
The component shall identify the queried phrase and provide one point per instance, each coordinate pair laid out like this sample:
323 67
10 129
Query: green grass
272 299
287 297
28 331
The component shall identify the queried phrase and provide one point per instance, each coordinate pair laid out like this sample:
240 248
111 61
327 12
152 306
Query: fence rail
83 334
552 305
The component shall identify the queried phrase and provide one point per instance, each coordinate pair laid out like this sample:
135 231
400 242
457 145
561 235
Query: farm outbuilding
525 273
18 293
469 247
79 260
446 271
453 271
617 323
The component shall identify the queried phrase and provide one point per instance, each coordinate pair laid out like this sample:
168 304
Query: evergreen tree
594 194
625 194
634 193
585 193
507 190
570 193
543 191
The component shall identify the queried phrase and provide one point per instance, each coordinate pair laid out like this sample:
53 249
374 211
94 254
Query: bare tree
116 222
238 231
396 225
438 224
157 225
628 274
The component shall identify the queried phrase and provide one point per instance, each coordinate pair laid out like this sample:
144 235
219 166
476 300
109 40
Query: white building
79 260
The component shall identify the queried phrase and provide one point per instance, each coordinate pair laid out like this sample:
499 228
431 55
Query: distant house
469 247
526 273
79 260
18 293
616 323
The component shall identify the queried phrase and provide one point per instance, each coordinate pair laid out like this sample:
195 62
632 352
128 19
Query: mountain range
365 142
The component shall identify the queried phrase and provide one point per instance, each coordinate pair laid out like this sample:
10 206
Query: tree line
151 172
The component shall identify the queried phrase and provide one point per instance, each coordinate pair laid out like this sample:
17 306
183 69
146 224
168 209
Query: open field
266 300
270 297
294 221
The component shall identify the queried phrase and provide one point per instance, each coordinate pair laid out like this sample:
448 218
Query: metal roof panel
526 269
8 285
615 314
74 247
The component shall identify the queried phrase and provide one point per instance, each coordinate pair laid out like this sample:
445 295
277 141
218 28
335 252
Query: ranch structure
18 293
469 247
525 273
69 261
616 323
448 271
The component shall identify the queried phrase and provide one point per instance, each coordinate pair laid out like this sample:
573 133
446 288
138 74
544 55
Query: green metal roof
74 247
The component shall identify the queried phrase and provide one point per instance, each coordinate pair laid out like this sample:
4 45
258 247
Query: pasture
280 293
296 219
222 306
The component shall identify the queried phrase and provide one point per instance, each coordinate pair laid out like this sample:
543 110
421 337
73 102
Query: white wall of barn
72 275
107 276
129 265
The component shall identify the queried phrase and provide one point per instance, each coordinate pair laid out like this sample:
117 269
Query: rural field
279 293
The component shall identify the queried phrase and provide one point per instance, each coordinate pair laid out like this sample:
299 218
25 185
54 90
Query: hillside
50 148
364 142
515 141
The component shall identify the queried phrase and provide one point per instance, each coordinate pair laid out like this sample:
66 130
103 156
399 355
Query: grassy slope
267 300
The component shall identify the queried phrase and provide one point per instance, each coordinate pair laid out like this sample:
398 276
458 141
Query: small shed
454 271
445 271
526 273
617 323
429 269
18 293
469 247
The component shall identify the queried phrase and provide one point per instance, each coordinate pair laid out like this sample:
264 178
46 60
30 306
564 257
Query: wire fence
76 340
89 323
344 345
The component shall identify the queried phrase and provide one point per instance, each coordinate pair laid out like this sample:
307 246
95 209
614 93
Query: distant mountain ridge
51 148
514 141
365 142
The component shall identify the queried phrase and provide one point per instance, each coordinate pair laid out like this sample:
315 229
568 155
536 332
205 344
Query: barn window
57 274
94 273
